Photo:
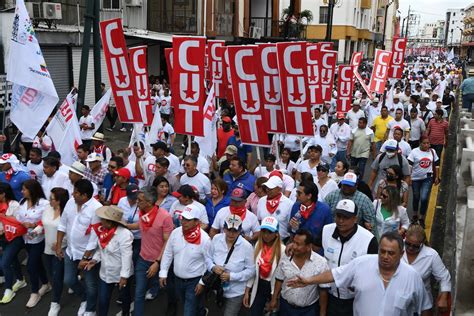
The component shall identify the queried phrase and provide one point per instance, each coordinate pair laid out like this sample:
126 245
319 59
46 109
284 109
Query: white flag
208 143
34 96
99 110
155 128
451 55
64 130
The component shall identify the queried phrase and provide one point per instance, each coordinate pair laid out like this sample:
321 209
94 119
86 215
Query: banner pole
301 147
188 150
259 158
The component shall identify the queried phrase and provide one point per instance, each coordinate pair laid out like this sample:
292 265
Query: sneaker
123 129
89 314
2 279
109 129
82 309
119 301
45 288
149 296
19 284
7 296
34 299
54 309
70 291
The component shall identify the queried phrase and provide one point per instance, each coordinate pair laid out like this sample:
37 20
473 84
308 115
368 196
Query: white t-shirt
165 107
202 165
177 208
304 167
330 186
89 120
403 148
173 169
250 223
403 124
58 180
200 181
286 168
165 133
422 163
282 213
36 170
354 117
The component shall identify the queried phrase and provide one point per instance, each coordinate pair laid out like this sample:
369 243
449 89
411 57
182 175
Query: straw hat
112 213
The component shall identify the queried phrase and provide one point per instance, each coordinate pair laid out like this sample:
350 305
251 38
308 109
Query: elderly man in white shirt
52 177
383 284
76 220
341 131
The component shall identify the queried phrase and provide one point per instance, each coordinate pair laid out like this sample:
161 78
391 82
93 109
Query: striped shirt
437 131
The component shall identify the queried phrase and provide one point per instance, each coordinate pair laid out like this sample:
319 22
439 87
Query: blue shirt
242 150
213 209
320 216
16 182
245 181
467 86
167 202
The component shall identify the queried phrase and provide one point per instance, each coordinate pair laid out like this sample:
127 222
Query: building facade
454 29
467 41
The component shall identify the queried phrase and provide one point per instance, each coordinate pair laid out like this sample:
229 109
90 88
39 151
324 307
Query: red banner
356 59
118 66
228 89
326 45
216 66
294 82
345 84
138 69
188 88
169 63
269 85
312 55
398 57
250 114
380 71
328 68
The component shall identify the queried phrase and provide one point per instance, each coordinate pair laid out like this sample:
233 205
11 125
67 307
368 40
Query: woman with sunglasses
427 262
325 184
394 178
389 214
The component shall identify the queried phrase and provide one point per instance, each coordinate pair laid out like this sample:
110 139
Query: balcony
173 21
224 24
271 28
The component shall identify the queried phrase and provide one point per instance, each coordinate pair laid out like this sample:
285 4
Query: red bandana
117 193
147 219
12 227
272 204
105 235
240 211
3 207
264 264
9 173
306 211
193 235
99 149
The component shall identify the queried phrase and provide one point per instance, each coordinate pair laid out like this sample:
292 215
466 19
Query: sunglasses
413 246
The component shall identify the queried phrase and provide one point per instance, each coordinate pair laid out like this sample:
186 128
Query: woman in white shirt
114 252
339 171
427 262
30 214
325 184
389 214
285 164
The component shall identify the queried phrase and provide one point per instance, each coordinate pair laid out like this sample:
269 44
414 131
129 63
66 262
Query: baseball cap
346 207
233 222
273 182
78 168
340 115
356 102
184 190
123 172
8 158
132 191
94 157
349 179
191 211
231 150
323 167
270 223
238 194
376 100
226 119
392 144
276 173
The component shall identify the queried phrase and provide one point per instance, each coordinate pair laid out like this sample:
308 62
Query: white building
454 26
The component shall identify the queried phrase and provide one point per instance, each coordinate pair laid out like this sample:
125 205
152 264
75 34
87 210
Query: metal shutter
57 61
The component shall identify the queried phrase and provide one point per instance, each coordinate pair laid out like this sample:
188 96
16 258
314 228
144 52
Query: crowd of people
321 225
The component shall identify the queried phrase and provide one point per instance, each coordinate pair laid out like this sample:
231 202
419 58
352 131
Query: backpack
400 160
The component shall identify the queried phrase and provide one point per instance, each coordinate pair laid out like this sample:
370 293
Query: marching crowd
300 233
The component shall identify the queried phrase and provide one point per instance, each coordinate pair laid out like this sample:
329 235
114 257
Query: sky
432 10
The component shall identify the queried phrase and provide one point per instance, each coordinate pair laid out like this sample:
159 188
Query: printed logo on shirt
151 167
33 175
425 162
354 254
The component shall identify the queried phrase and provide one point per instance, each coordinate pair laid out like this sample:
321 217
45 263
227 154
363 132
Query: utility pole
408 21
331 4
385 23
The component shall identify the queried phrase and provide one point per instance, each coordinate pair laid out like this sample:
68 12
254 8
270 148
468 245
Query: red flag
328 68
398 57
228 89
249 109
169 63
312 55
188 84
269 85
216 66
380 71
356 59
345 84
326 45
138 62
118 66
12 227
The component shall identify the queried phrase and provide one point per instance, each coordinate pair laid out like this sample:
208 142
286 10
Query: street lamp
385 23
331 4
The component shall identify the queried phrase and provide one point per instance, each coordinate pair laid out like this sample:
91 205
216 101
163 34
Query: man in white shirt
166 133
76 220
165 102
186 248
87 126
354 114
396 105
195 178
383 284
318 120
327 143
186 196
341 131
52 178
399 122
202 163
35 164
373 110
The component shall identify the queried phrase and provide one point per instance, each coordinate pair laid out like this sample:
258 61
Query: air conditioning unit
133 3
52 11
34 10
255 32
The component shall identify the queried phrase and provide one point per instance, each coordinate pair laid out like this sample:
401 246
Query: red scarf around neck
272 204
99 149
105 235
147 219
306 211
240 211
264 264
193 235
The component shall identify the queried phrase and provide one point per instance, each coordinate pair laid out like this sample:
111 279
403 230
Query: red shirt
222 138
152 238
437 131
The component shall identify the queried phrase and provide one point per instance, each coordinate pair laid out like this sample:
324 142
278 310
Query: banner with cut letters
216 66
312 55
380 71
228 89
138 61
328 69
345 84
244 68
169 63
398 58
356 60
188 84
326 45
118 66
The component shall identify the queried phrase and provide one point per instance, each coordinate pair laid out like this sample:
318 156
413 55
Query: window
454 13
111 4
323 15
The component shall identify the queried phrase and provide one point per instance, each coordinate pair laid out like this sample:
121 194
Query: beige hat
231 150
98 136
78 168
112 213
94 157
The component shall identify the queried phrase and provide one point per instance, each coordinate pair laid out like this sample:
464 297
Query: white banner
64 130
155 128
208 143
99 110
34 96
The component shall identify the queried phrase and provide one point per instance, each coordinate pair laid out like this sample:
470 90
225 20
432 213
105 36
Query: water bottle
297 217
225 285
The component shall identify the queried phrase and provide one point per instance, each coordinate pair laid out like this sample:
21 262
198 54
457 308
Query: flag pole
259 158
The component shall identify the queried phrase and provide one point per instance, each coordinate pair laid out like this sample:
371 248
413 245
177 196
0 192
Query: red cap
226 119
276 173
340 115
123 172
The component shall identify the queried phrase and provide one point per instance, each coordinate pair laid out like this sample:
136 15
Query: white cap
273 182
346 207
233 222
191 211
9 158
356 102
391 144
349 179
270 223
78 168
94 157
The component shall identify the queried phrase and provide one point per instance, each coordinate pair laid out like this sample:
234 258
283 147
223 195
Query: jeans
10 264
414 144
359 162
438 149
55 269
263 296
340 156
105 293
35 266
193 305
286 309
141 284
421 192
339 307
232 305
467 100
89 293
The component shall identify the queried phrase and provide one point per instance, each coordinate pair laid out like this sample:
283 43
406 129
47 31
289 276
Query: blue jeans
10 264
141 284
359 162
467 100
35 266
193 305
286 309
421 192
55 269
126 291
105 293
340 156
89 293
